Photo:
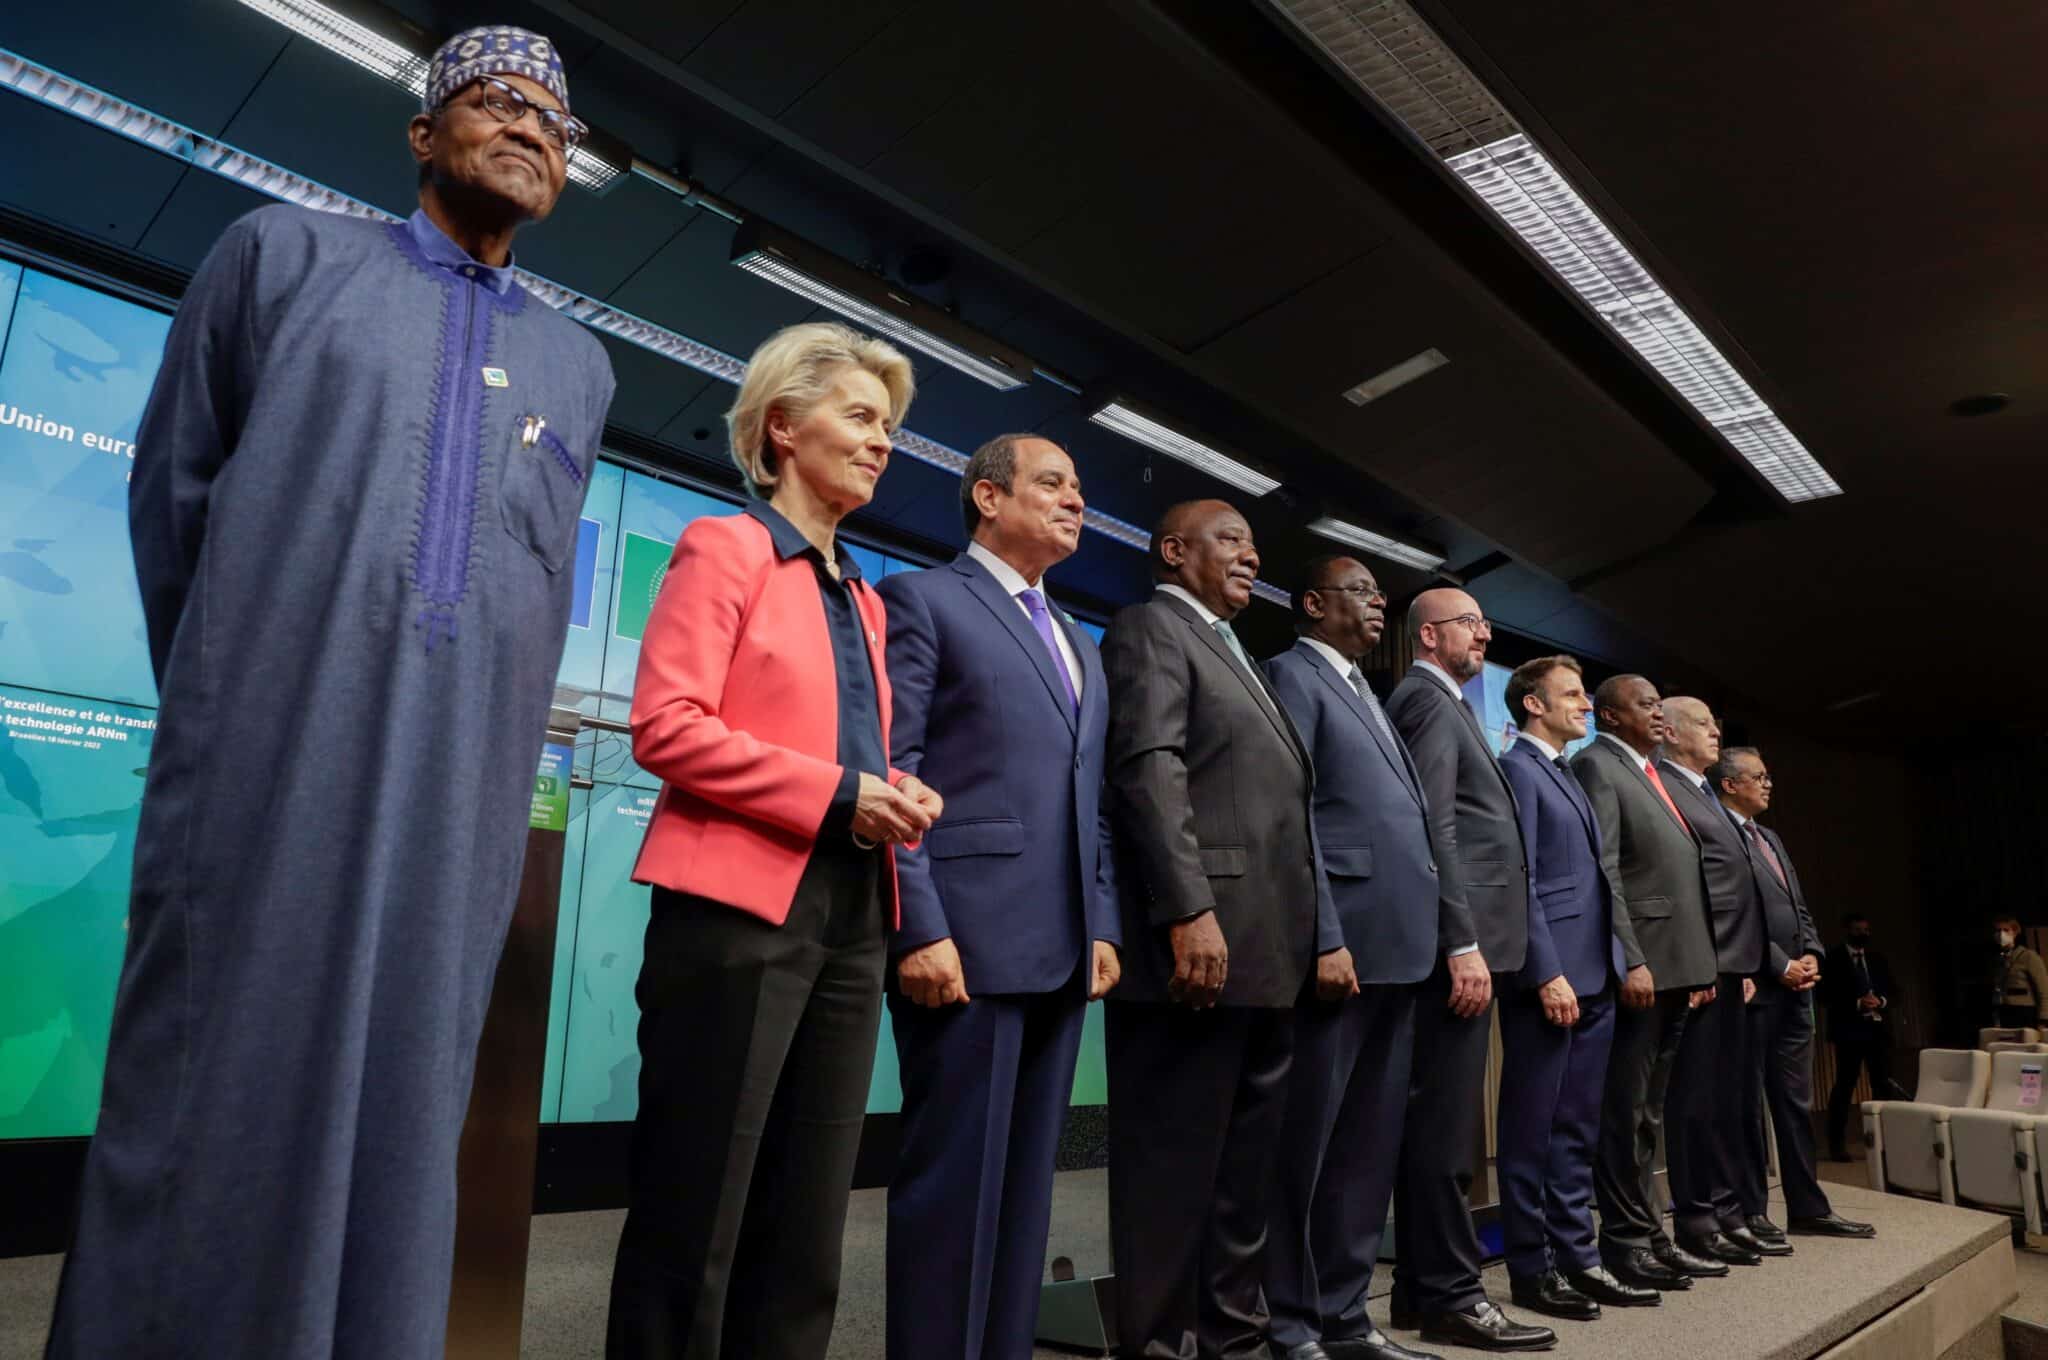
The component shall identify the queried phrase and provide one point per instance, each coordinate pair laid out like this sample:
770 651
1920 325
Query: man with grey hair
1009 906
355 495
1781 1020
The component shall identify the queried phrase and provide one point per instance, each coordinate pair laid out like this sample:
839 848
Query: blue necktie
1041 619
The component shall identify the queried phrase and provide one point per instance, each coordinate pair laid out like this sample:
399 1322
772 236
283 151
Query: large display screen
77 717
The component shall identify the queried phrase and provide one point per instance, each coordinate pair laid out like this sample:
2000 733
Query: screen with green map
77 717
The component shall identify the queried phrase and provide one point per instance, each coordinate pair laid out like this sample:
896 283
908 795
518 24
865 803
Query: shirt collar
1333 656
790 542
1209 616
1457 690
1642 761
1740 820
1008 577
1699 781
1550 753
435 245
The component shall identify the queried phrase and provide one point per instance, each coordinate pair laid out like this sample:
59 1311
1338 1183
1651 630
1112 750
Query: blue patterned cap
492 51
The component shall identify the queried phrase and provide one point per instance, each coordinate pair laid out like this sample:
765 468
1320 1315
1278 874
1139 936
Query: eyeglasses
561 131
1478 623
1367 593
1761 777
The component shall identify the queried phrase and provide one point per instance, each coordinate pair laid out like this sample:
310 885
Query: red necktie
1756 836
1657 783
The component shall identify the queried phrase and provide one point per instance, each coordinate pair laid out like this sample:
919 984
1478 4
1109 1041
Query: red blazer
736 710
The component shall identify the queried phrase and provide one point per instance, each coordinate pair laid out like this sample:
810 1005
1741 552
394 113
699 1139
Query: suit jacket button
1079 761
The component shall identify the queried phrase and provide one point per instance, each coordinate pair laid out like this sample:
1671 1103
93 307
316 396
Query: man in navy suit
1557 1018
1348 1094
1010 921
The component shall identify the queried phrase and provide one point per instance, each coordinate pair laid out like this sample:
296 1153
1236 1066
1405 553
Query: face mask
2005 939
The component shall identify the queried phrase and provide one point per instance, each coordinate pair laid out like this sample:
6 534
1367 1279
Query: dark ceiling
1174 199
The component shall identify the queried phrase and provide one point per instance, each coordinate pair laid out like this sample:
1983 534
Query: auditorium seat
1908 1139
1994 1150
1997 1047
1995 1035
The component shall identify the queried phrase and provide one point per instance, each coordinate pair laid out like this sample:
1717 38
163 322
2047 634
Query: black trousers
1781 1065
2019 1017
1631 1117
756 1045
1866 1047
1705 1136
1197 1101
1436 1250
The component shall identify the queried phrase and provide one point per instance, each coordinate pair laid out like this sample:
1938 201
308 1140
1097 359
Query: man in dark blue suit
1010 921
1557 1019
1348 1094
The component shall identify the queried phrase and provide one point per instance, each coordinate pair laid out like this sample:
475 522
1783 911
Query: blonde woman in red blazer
762 703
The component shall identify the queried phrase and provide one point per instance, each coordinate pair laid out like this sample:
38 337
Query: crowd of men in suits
1317 900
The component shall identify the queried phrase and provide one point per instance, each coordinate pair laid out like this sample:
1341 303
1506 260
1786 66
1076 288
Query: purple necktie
1034 605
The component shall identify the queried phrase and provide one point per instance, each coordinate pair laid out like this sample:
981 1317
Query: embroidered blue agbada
353 549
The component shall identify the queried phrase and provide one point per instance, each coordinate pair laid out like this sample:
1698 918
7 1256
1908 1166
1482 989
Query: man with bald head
1650 856
1713 1060
1227 924
1009 906
1482 930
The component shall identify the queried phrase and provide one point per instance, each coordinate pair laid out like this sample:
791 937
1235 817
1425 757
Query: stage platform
1932 1284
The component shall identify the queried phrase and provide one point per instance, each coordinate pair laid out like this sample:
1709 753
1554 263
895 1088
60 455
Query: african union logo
643 565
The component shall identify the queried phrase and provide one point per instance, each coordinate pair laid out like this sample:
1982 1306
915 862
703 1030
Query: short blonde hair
794 369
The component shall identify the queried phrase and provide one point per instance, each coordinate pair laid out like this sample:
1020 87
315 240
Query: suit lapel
1254 686
1011 616
1349 696
1569 786
1472 724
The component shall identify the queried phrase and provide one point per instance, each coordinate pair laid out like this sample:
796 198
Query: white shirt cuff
1462 949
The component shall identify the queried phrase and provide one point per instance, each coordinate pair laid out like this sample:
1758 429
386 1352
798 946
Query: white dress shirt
1550 753
1642 761
1334 657
1699 781
1457 690
1011 580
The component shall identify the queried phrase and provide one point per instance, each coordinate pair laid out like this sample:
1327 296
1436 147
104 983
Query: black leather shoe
1600 1285
1641 1268
1749 1241
1720 1247
1307 1350
1402 1318
1689 1264
1764 1230
1485 1327
1551 1295
1374 1345
1831 1225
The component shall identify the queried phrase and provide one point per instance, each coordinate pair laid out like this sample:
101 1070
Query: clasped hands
898 814
1801 974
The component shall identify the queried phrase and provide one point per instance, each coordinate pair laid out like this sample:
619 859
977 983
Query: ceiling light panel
1400 375
821 277
1143 429
1385 48
1379 545
380 52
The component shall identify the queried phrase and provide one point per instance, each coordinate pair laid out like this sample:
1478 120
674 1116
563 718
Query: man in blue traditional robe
353 506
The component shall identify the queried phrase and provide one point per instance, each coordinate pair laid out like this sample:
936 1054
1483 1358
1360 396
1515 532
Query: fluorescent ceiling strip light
785 275
338 33
59 92
1400 375
1153 435
1394 56
1379 545
1272 594
591 172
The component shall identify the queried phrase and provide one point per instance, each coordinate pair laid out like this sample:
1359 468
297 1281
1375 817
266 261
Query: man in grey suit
1482 930
1227 922
1652 865
1781 1018
1713 1060
1348 1096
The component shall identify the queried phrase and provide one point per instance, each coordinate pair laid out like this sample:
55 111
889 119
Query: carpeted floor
1771 1310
